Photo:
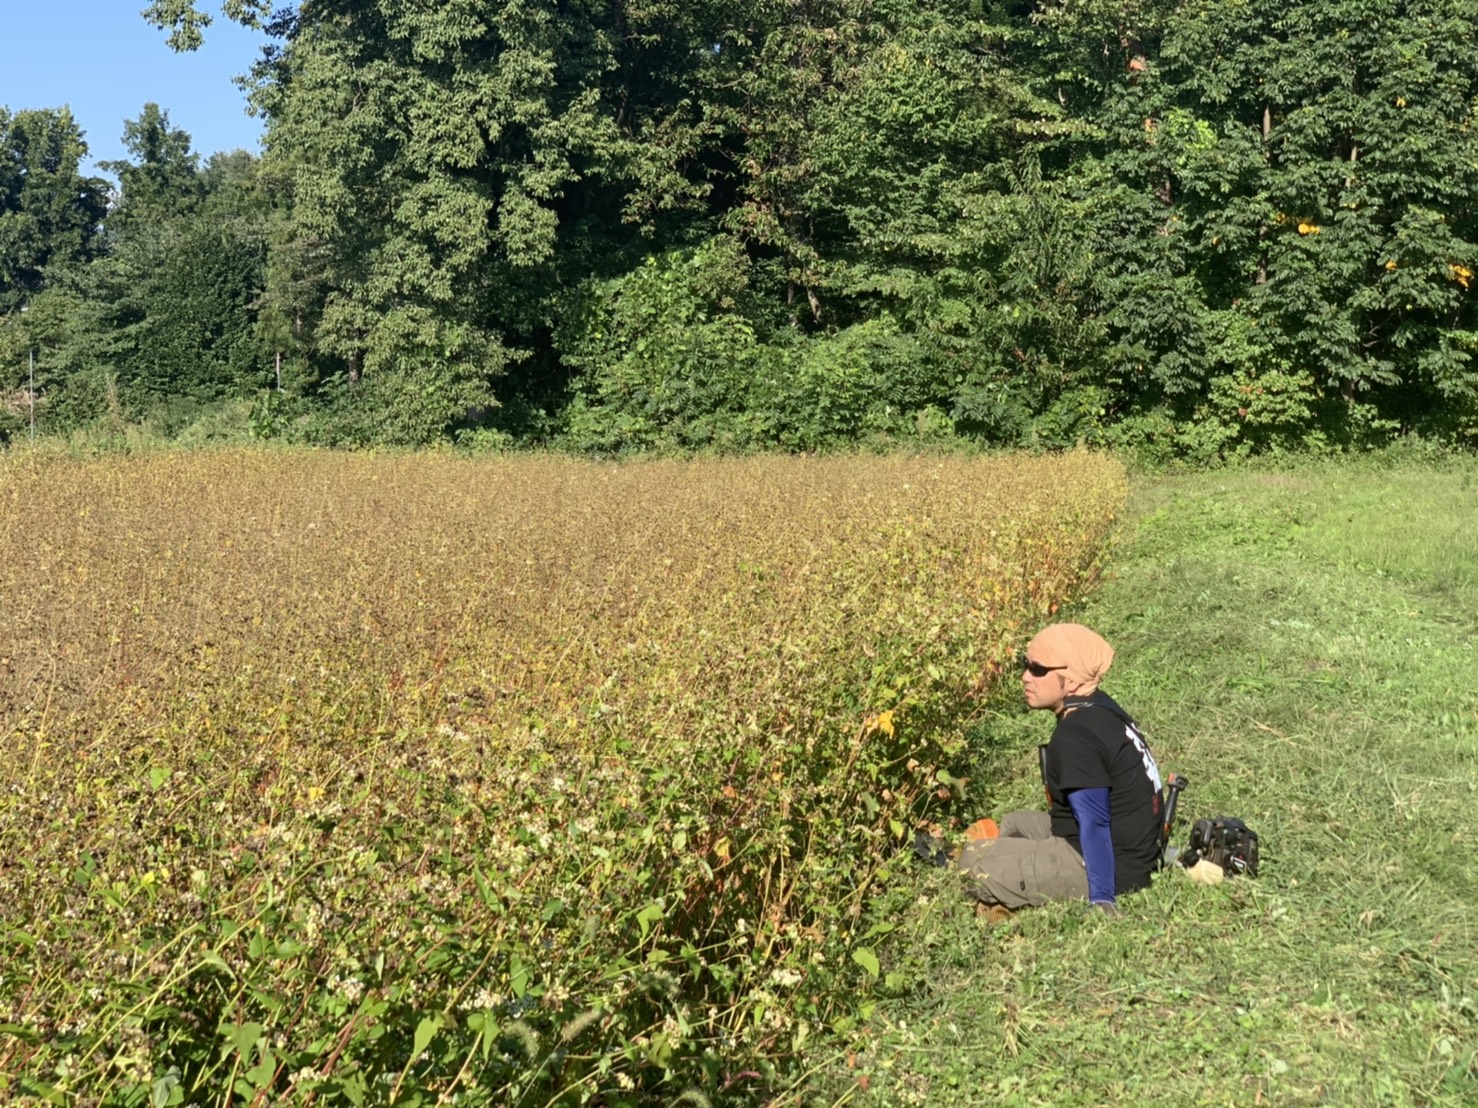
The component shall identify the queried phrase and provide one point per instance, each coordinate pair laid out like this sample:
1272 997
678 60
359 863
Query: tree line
1190 227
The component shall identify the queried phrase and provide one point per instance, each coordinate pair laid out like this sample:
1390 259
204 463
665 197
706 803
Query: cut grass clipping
372 780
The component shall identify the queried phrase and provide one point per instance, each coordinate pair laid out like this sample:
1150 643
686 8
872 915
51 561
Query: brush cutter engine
1224 841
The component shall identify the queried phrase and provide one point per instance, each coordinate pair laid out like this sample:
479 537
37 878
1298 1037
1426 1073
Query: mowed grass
414 780
1299 642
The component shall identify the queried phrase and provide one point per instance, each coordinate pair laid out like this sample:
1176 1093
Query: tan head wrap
1083 653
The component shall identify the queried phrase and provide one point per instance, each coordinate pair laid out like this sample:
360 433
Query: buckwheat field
358 779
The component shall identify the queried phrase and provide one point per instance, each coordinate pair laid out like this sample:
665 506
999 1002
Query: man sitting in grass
1101 833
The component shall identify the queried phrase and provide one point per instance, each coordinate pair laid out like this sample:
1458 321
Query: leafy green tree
1287 250
49 225
669 353
186 22
199 337
895 162
449 168
49 212
1196 227
453 173
163 179
166 313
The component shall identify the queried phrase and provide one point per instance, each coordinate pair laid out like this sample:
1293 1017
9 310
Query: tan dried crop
326 773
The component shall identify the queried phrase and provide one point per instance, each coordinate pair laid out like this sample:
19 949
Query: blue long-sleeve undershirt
1091 810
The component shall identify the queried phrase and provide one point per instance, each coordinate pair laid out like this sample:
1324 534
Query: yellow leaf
1461 274
885 723
1391 264
1308 228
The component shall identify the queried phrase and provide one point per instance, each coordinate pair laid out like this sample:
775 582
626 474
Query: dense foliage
359 779
146 305
1196 228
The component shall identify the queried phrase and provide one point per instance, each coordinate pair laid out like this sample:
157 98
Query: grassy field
1299 642
418 779
375 780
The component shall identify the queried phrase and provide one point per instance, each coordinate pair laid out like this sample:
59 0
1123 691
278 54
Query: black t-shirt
1097 746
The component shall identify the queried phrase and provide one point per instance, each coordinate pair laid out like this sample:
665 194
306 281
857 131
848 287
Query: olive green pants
1025 866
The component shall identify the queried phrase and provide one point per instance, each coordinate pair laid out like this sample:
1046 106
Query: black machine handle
1173 786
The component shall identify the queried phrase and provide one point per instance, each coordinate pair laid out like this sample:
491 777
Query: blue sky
102 59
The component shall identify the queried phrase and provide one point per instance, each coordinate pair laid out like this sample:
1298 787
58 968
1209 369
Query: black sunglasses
1037 669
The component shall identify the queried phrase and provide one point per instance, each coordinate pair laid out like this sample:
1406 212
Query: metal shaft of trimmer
1173 785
